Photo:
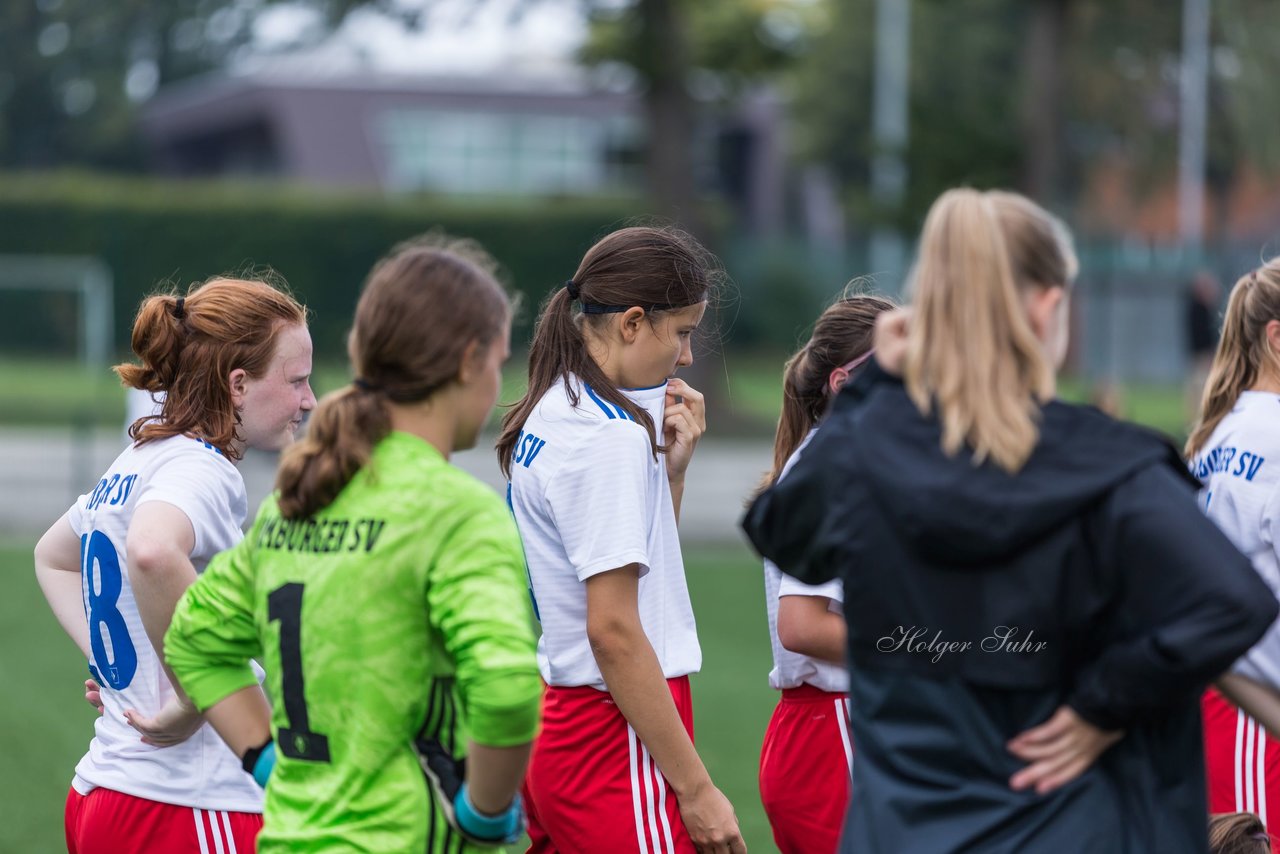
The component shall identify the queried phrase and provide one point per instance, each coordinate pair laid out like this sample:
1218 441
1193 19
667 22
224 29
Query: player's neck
433 424
1268 380
608 357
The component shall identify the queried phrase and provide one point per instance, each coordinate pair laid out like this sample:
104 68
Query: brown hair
659 269
842 333
1242 350
420 309
1238 833
971 351
189 345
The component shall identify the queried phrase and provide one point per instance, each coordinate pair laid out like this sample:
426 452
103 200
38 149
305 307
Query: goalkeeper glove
260 761
447 777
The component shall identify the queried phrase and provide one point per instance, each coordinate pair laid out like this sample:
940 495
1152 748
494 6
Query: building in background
494 135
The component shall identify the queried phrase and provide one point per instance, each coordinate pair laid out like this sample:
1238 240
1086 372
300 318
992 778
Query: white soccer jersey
791 669
1240 469
588 497
193 476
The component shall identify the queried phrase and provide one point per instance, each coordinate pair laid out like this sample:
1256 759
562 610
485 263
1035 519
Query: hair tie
572 287
179 310
364 385
848 367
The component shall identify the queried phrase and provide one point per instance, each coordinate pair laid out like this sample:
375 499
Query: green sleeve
213 634
478 602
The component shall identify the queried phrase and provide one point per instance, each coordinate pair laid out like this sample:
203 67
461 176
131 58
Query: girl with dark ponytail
383 589
596 454
232 358
807 754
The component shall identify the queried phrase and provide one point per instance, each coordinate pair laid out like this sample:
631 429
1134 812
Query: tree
74 70
963 59
729 45
1042 99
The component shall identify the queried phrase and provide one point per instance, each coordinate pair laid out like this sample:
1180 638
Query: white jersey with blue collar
1240 469
589 496
193 476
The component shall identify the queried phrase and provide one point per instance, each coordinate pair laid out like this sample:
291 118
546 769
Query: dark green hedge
149 231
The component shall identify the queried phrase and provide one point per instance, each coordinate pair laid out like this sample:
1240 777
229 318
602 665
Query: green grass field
750 393
46 725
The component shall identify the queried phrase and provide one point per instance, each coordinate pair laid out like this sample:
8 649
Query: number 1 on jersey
296 741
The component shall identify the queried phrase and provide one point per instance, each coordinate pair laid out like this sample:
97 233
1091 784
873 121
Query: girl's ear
629 323
1273 336
1042 305
472 364
236 383
837 379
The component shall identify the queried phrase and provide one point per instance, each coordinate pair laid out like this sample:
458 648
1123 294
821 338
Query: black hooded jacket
978 602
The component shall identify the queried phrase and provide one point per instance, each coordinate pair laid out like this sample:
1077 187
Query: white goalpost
87 277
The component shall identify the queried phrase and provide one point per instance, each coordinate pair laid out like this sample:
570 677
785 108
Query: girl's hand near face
684 422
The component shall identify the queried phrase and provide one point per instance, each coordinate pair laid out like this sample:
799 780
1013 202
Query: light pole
889 129
1194 91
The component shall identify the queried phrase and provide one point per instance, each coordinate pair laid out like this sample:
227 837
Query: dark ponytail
658 269
421 308
843 333
341 434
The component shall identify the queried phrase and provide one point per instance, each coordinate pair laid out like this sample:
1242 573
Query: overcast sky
461 36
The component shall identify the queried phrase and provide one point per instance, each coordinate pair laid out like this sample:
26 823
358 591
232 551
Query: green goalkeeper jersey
400 606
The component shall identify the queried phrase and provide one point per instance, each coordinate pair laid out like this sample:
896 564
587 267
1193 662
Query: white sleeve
203 487
75 514
833 589
599 500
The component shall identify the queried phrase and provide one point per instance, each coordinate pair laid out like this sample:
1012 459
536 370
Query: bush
150 231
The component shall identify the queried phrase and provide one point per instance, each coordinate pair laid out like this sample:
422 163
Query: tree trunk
669 114
1042 100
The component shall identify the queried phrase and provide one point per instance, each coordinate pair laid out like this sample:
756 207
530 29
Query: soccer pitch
45 724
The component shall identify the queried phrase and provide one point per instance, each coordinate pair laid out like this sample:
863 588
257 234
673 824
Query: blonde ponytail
971 352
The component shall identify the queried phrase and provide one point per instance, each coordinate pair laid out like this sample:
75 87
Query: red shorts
1242 763
804 770
109 822
592 786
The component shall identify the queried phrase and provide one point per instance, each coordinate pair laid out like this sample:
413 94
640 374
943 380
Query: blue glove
259 762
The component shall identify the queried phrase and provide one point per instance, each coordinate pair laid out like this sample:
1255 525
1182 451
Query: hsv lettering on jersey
1219 461
114 491
1242 495
192 476
590 496
527 447
320 536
